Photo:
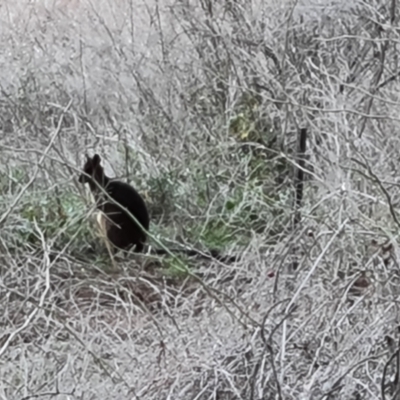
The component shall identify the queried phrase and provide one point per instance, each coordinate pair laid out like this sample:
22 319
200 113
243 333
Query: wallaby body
120 228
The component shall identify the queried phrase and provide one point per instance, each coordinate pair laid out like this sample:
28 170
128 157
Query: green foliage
12 180
222 220
58 216
249 124
176 267
257 136
162 193
215 234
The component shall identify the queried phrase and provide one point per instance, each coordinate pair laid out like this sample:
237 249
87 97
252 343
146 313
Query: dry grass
198 104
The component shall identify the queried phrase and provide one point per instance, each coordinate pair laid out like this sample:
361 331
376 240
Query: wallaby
121 231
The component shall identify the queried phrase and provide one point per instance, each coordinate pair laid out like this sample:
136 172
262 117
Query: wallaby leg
139 247
101 220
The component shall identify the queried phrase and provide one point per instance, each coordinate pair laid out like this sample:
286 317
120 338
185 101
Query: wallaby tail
209 254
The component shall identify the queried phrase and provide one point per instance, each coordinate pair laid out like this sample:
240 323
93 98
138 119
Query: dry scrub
199 103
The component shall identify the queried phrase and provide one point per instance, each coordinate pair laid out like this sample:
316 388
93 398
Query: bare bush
199 105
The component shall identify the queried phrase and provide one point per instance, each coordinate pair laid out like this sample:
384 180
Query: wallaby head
93 171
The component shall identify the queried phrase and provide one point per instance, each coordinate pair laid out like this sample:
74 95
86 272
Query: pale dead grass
149 90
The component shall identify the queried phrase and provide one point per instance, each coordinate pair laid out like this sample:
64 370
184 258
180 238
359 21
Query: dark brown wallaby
121 230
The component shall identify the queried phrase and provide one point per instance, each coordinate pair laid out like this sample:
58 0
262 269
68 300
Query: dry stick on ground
38 165
299 179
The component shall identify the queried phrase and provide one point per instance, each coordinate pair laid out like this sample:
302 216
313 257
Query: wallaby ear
96 160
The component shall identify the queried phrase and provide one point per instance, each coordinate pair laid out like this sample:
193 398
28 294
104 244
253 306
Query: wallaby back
122 231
